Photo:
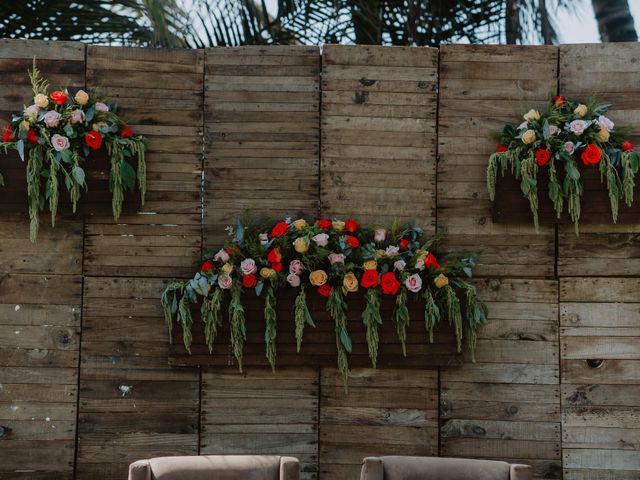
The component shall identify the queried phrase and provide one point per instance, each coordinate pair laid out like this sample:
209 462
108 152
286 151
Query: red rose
430 261
351 225
324 223
389 283
369 279
274 255
542 157
279 229
591 155
126 132
501 148
59 97
353 242
206 266
403 243
324 290
93 140
626 146
277 266
558 100
31 136
7 135
249 280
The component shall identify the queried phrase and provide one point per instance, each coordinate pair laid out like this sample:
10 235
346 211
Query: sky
579 27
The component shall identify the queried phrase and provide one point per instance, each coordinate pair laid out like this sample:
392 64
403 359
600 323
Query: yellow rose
350 283
227 268
98 125
370 265
531 115
529 137
318 278
24 125
300 224
441 281
603 135
338 225
581 110
379 254
301 245
82 97
267 272
41 100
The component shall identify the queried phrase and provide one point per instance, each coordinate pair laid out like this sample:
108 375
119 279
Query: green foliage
401 318
372 320
301 316
431 312
237 322
211 313
337 308
630 161
270 318
454 314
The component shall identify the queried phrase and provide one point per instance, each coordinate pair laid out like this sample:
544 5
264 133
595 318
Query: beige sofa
218 467
428 468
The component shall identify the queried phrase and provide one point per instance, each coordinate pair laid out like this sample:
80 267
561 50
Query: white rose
101 107
264 239
392 251
59 142
52 119
413 283
225 281
293 279
578 126
604 122
380 235
248 265
531 115
569 147
321 239
399 265
221 256
336 258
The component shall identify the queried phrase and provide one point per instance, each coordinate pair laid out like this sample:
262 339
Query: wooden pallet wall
85 387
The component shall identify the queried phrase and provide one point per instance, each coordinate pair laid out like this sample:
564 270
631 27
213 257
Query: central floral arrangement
59 132
559 141
332 259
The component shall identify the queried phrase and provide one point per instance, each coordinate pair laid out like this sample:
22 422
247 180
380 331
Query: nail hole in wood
592 363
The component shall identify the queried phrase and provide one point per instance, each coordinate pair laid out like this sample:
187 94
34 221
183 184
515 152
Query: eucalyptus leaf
20 148
345 340
78 174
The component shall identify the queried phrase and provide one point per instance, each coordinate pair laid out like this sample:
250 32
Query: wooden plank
367 96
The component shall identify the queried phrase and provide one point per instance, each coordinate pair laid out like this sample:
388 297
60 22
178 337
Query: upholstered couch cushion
427 468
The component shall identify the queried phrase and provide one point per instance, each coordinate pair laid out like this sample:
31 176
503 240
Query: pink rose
553 129
221 256
296 267
52 119
399 265
321 239
31 110
336 258
413 283
604 122
380 235
420 264
59 142
101 107
569 147
77 116
248 266
225 281
293 279
578 126
392 251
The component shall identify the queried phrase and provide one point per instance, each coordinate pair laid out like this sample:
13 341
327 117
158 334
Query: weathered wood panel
385 412
482 88
600 347
507 405
262 413
160 93
610 72
378 133
132 405
262 134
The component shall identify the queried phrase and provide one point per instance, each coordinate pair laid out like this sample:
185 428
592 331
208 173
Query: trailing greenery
401 318
555 140
270 320
337 308
372 319
302 316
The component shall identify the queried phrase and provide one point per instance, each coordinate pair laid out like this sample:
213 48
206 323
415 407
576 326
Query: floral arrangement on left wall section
58 133
332 259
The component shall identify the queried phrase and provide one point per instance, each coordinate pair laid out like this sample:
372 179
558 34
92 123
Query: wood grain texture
506 405
600 349
468 113
385 412
378 133
262 133
262 413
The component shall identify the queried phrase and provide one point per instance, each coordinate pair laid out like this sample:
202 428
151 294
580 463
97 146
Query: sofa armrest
520 472
289 468
372 469
140 470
